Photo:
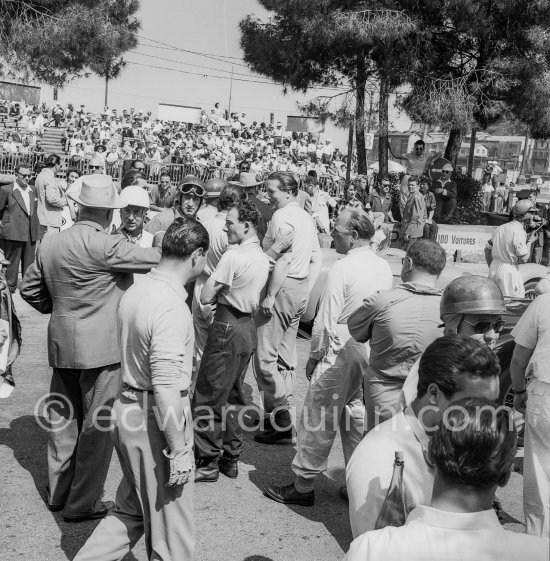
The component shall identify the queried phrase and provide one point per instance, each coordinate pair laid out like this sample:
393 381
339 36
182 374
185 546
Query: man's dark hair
312 173
244 166
428 256
73 170
424 180
52 160
420 143
248 212
19 167
131 178
449 358
229 197
165 174
133 166
184 236
475 444
287 182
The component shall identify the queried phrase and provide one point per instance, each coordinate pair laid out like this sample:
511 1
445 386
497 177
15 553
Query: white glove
182 464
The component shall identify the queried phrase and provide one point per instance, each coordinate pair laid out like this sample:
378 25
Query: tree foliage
55 41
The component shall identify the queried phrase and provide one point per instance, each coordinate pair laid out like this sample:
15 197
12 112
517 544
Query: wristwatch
519 392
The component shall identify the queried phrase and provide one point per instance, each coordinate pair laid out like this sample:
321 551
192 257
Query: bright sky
203 26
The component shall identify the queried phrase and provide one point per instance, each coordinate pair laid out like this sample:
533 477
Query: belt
224 312
183 393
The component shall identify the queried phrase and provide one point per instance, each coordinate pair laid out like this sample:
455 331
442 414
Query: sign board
304 124
369 141
468 239
20 93
178 113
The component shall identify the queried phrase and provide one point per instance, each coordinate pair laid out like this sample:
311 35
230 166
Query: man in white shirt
235 285
472 451
508 247
294 273
336 362
320 201
451 368
531 358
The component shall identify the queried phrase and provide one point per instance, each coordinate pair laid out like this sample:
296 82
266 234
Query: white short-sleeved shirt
292 217
533 332
370 469
431 534
321 201
218 242
243 269
508 242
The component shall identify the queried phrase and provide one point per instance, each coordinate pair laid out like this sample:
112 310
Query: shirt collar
364 248
170 280
419 288
90 223
254 240
16 186
419 433
482 520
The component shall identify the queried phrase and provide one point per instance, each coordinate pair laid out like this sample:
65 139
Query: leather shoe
289 496
271 436
343 492
52 507
228 465
96 515
206 470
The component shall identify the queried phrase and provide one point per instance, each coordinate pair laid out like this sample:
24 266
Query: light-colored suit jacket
51 198
79 276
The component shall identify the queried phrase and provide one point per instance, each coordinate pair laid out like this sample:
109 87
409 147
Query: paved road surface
235 522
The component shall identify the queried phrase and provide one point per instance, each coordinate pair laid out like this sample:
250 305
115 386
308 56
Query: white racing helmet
134 195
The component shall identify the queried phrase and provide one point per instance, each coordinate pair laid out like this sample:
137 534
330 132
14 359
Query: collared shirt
218 242
25 193
321 200
509 242
434 534
243 269
144 239
156 333
370 469
162 221
292 217
399 324
533 332
356 276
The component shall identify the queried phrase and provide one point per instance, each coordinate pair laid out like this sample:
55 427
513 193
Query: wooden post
350 151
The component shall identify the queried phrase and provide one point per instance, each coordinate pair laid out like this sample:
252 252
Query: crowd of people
157 316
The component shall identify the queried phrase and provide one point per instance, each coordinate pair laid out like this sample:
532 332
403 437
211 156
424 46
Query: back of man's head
449 359
229 197
183 237
475 444
358 221
427 256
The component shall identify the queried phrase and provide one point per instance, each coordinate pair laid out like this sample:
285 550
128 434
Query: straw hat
246 179
98 191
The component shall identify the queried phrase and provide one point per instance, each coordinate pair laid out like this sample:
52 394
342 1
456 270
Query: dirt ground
234 521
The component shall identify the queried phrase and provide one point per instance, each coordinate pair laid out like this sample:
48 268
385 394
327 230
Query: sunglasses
193 190
483 326
95 167
25 175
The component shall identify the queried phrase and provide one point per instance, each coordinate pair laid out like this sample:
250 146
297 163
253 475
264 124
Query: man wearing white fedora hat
79 276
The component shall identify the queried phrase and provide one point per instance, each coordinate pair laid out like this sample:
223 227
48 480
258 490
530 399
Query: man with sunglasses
190 195
19 226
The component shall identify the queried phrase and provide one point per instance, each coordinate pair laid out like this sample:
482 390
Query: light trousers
275 360
333 400
536 461
382 398
144 505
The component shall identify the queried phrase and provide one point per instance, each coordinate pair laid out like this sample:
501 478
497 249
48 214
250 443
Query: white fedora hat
98 191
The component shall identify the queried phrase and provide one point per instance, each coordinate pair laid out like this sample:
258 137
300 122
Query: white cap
134 195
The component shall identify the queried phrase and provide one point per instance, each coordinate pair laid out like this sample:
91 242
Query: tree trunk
106 90
350 152
522 168
360 115
383 113
472 152
453 145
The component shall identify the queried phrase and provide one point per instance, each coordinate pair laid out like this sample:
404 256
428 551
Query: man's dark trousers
16 253
218 394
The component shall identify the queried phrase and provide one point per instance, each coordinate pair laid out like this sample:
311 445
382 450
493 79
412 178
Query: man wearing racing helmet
470 305
508 247
190 193
133 216
209 209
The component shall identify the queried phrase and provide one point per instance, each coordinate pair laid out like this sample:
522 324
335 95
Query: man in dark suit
445 191
79 276
19 226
